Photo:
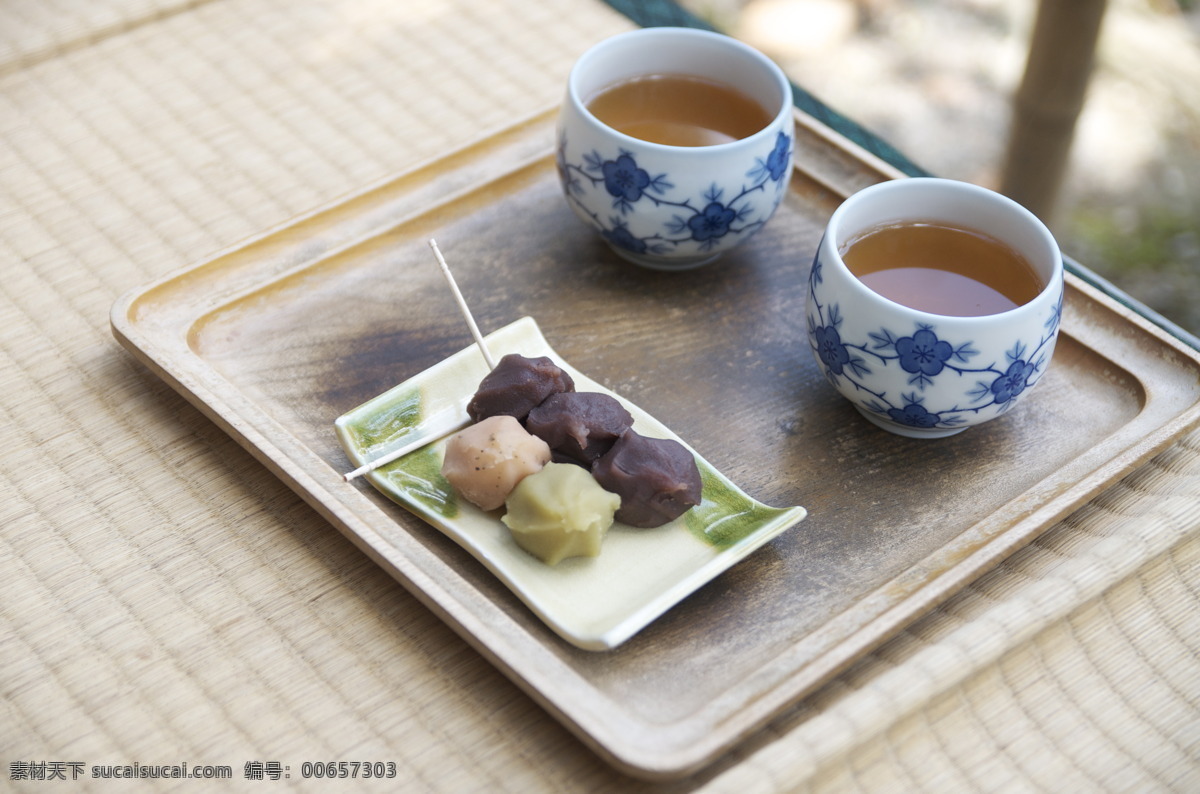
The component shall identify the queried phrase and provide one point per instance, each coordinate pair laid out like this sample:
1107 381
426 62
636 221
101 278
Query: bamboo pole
1049 100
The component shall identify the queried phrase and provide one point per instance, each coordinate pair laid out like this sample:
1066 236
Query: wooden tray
278 337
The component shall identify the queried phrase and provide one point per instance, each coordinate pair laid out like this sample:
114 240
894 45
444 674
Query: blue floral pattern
704 221
924 355
624 180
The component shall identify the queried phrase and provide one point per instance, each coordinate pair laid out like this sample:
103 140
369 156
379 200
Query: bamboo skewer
440 425
451 419
462 306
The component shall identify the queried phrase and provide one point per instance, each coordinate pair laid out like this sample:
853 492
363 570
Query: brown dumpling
656 478
517 385
579 426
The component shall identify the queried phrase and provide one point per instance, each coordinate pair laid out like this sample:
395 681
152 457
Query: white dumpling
485 461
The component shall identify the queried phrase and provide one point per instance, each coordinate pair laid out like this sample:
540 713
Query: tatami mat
166 599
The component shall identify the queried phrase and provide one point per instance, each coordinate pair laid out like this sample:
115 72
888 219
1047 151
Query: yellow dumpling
559 512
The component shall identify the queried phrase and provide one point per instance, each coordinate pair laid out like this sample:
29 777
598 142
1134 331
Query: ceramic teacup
664 206
920 374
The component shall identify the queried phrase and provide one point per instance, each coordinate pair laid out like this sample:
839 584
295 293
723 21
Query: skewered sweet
559 512
532 443
579 426
516 386
486 460
656 478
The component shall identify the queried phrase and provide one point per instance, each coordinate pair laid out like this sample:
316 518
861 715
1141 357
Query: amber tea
679 110
942 269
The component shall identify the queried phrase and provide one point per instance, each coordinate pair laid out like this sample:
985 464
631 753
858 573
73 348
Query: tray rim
294 463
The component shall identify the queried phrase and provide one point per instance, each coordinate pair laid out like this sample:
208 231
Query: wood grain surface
720 355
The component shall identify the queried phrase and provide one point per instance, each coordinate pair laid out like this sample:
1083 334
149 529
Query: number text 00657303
348 769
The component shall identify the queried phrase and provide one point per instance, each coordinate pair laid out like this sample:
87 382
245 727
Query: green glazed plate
595 603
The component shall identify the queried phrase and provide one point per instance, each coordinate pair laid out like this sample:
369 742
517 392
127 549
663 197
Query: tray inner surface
720 356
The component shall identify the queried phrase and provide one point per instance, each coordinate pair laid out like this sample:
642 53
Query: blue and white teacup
919 374
674 207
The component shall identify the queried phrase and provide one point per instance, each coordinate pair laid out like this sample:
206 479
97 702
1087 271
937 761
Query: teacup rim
782 116
1053 284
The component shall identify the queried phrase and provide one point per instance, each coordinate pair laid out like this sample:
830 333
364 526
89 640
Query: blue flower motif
712 223
830 348
921 359
777 160
621 237
1012 382
923 352
913 415
704 223
623 179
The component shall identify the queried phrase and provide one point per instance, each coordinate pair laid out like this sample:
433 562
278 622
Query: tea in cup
675 144
934 305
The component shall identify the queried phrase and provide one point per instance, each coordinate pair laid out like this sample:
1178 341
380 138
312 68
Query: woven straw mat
165 598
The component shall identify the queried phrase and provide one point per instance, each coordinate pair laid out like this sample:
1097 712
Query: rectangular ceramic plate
276 339
596 603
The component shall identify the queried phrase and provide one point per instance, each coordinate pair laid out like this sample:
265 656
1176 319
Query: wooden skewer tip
462 305
483 348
